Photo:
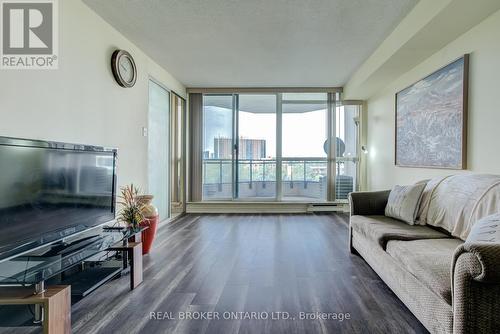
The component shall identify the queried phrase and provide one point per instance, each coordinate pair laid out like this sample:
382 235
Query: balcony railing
302 178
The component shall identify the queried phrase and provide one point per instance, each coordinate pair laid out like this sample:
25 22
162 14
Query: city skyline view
301 137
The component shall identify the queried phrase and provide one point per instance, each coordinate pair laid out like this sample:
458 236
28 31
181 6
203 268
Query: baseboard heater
328 207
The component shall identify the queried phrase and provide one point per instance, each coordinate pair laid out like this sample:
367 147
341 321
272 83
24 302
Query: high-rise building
223 148
248 148
252 148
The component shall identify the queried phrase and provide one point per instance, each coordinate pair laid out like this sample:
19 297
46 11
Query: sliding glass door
218 146
158 148
256 146
280 146
304 146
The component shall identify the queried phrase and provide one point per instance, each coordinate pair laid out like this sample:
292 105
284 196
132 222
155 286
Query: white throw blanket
456 202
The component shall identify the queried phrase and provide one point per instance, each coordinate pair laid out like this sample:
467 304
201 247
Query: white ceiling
256 43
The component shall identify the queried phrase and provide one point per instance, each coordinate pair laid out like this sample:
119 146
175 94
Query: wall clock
123 68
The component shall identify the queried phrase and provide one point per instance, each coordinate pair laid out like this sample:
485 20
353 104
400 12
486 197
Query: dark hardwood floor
249 263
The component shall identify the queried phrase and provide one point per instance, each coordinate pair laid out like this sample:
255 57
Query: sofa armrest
366 203
476 288
483 265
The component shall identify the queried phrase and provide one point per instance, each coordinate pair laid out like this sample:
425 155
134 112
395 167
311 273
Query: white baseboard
264 207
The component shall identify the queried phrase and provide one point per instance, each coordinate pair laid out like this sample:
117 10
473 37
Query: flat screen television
52 190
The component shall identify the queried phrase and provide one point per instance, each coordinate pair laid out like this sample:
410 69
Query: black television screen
51 190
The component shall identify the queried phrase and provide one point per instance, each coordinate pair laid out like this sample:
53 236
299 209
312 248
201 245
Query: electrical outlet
144 131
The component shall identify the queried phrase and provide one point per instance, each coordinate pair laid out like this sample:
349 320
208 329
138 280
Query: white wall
80 102
482 42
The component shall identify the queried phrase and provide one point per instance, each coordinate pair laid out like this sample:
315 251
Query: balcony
303 179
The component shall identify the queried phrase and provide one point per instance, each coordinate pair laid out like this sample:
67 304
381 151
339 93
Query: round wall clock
124 69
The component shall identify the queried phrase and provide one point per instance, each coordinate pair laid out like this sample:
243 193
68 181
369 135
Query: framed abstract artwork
431 119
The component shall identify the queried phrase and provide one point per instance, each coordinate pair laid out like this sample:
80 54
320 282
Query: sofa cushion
426 199
403 202
428 260
382 229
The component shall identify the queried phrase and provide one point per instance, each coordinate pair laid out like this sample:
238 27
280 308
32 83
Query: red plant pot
149 234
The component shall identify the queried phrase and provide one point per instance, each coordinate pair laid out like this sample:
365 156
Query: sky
303 133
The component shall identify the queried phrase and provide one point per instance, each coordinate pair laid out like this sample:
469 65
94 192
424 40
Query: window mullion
235 146
331 156
279 137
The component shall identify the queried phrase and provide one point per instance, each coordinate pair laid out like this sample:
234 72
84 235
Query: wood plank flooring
248 263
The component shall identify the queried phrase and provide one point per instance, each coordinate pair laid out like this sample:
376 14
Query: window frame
332 101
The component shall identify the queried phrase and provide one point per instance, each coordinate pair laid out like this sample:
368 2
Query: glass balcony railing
302 179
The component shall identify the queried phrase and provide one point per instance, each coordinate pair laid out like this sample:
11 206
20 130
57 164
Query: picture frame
431 119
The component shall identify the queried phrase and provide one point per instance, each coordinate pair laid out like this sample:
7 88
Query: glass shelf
49 261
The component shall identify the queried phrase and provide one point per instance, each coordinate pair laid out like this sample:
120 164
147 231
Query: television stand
56 264
85 281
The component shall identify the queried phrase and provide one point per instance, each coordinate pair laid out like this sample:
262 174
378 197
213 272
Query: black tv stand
78 263
86 281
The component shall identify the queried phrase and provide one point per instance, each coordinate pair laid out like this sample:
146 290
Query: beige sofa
451 286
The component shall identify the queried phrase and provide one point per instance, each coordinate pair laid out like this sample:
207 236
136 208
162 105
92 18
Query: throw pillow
404 202
486 229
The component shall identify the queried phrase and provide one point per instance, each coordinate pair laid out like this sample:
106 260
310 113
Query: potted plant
138 211
131 211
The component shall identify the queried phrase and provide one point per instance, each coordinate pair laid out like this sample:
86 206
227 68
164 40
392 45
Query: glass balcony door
218 146
256 147
304 146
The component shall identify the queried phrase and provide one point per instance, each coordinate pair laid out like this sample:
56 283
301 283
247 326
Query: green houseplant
132 208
